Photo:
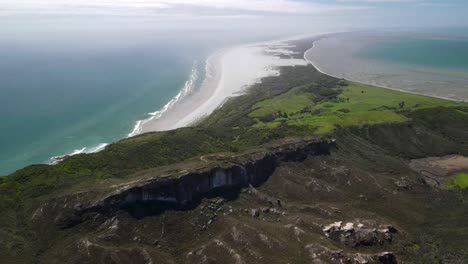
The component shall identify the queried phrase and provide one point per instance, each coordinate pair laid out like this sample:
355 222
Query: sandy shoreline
229 72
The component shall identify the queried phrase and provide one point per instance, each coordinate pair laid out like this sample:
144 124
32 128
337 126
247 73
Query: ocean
433 63
74 85
77 100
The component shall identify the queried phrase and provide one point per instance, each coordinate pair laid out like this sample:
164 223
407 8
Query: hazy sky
355 12
254 17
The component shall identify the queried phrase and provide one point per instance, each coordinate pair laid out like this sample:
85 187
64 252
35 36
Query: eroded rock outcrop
356 235
183 190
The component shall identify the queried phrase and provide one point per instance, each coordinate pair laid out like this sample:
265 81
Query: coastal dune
228 73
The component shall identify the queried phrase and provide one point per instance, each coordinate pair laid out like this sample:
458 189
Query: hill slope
304 168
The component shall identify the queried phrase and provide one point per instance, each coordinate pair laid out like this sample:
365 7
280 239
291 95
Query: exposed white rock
348 227
298 231
332 227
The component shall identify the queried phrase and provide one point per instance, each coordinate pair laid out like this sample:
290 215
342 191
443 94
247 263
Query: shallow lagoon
423 63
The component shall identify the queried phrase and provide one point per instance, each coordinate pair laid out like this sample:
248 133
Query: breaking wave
187 89
56 159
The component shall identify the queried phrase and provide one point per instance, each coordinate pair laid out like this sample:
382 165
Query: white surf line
188 87
56 159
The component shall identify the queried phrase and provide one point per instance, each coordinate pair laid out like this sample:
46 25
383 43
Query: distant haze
278 15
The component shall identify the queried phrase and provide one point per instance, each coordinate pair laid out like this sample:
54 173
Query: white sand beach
229 72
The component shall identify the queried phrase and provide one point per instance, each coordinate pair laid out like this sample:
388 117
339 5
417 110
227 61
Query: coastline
184 105
188 88
226 76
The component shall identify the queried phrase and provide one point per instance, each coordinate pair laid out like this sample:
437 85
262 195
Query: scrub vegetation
377 132
460 181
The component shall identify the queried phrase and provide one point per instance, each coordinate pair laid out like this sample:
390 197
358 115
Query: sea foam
186 90
56 159
188 87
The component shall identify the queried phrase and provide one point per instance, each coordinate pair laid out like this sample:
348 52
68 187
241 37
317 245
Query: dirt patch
441 166
437 170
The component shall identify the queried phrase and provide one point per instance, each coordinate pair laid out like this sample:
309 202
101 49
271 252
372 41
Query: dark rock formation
255 213
387 258
184 191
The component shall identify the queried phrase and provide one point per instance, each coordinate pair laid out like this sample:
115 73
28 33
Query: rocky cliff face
183 190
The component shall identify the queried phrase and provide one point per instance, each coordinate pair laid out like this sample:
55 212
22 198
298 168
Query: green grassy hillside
349 105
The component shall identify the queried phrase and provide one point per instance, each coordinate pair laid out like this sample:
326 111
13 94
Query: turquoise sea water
53 102
73 83
435 53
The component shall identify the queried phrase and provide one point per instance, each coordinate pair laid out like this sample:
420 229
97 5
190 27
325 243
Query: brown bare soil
441 166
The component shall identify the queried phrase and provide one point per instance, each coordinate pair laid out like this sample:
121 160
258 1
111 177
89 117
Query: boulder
362 237
331 228
255 213
387 258
403 184
219 202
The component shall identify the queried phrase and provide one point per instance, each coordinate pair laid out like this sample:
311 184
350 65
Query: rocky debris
360 258
298 231
278 202
219 202
275 211
255 213
332 228
322 254
403 184
266 213
209 212
110 224
358 236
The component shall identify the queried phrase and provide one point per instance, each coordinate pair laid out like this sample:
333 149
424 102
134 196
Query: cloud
216 7
379 1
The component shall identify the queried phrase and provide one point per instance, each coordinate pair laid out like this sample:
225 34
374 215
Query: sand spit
229 72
